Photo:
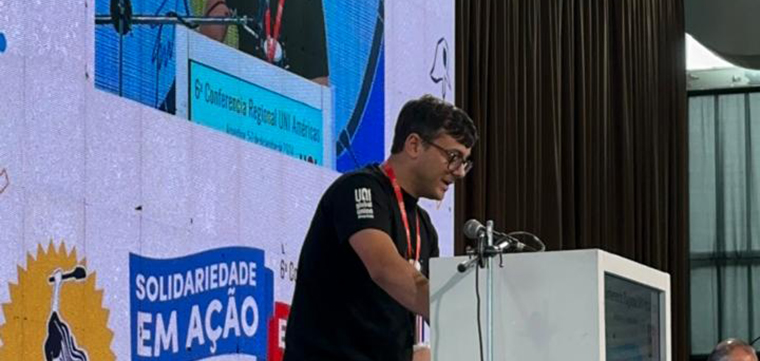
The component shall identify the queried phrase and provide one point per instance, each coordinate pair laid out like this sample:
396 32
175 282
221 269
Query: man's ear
413 145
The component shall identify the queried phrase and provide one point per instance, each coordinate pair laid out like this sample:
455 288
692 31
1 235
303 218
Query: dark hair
724 349
430 117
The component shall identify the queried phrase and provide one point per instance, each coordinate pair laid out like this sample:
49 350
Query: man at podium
291 33
362 272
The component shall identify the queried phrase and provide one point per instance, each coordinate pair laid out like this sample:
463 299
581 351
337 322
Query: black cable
477 297
753 341
536 241
182 20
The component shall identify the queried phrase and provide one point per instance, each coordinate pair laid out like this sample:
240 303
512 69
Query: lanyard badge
273 34
414 258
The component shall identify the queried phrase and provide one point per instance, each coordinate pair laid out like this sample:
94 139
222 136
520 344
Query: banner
247 111
211 303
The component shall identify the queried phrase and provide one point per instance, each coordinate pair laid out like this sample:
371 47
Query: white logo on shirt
363 198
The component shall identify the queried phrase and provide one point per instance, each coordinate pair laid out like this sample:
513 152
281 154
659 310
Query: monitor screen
632 319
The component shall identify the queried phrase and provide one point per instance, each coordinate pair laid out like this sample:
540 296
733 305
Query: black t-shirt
338 312
302 33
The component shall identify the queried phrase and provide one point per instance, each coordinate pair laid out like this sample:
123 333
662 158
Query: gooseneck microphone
473 229
502 241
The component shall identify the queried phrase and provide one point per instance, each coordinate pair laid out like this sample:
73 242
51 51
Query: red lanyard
400 198
273 34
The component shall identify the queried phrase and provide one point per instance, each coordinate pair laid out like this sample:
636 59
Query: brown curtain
581 108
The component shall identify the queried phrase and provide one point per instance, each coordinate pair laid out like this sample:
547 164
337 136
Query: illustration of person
60 343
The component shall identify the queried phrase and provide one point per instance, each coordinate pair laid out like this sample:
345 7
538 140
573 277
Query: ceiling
729 28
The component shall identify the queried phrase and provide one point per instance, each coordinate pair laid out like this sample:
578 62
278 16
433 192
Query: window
724 217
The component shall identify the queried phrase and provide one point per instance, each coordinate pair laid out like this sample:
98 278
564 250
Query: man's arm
392 272
215 8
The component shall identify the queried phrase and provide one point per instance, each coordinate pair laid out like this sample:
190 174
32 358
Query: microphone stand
483 256
489 292
122 18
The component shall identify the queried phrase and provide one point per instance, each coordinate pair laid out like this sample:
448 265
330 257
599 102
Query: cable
534 238
477 297
181 19
541 247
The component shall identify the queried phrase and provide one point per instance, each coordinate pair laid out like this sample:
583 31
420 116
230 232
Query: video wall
302 77
157 176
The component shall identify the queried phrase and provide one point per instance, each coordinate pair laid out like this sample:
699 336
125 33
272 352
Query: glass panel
724 215
704 310
702 207
732 172
754 195
755 305
735 302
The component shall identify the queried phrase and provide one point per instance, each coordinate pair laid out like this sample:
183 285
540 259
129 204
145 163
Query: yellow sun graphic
32 329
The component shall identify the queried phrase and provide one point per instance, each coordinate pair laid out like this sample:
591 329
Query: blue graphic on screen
207 304
355 36
149 59
368 138
3 43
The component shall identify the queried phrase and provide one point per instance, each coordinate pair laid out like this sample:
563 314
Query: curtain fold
581 107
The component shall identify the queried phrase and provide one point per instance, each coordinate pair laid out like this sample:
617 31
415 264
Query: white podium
581 305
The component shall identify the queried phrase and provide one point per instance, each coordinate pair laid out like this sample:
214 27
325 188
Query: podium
579 305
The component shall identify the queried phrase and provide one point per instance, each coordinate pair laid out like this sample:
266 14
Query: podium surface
564 305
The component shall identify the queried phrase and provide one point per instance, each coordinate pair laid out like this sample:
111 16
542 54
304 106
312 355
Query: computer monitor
633 316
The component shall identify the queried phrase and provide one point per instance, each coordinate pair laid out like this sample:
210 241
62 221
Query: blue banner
248 111
207 304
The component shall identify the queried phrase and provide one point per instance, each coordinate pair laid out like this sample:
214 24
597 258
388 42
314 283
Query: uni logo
363 195
55 312
3 43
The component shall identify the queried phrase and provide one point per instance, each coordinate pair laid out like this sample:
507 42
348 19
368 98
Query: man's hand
421 353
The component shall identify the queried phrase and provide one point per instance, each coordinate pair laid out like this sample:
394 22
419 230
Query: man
733 350
362 273
292 33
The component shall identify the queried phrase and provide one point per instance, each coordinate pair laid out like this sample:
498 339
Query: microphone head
472 229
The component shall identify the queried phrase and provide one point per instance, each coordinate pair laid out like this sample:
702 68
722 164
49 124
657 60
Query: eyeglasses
454 159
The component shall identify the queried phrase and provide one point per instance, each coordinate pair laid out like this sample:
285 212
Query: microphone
474 230
503 242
